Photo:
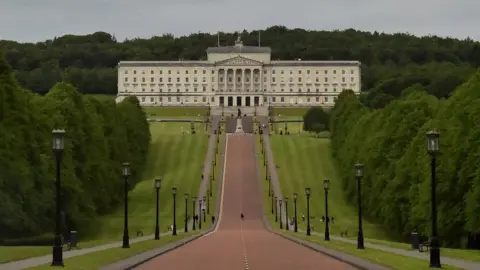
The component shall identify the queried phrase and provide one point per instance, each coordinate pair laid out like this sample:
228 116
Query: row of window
204 99
239 79
265 71
204 89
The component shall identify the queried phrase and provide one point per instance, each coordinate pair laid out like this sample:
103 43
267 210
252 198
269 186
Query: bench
425 246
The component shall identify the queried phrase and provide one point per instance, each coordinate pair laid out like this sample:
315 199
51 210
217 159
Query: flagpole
259 36
218 39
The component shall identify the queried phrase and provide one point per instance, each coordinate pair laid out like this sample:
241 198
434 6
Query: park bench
425 246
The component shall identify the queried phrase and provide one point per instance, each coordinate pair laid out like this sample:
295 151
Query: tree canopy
315 120
390 62
391 142
100 135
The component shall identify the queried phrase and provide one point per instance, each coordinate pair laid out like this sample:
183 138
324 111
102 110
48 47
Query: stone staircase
250 111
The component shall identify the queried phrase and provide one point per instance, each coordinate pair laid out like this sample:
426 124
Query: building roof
290 63
239 49
165 63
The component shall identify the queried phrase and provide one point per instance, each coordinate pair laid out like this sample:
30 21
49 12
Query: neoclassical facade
237 76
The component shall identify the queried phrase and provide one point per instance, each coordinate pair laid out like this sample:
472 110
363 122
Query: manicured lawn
304 162
286 113
176 112
178 159
98 259
390 260
8 254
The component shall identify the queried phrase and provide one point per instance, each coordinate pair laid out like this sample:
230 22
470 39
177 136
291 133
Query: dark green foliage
392 143
100 136
390 63
315 120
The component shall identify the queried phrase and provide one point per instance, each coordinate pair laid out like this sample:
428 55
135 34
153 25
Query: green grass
285 113
304 161
8 254
178 159
390 260
176 112
102 258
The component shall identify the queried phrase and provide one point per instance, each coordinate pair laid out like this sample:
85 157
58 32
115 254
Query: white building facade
237 76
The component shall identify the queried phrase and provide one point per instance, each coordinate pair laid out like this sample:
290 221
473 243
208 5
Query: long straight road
247 244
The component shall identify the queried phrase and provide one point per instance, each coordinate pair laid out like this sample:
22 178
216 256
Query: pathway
409 253
36 261
247 244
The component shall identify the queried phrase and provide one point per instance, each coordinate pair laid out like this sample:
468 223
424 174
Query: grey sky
38 20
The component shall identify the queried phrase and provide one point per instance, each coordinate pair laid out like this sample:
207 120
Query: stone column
225 78
251 78
234 80
243 80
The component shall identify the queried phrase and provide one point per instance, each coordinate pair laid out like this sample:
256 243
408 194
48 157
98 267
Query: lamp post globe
174 194
126 173
433 148
326 186
158 183
58 147
307 193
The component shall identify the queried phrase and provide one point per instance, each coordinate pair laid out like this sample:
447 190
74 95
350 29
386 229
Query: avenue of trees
390 63
391 142
100 136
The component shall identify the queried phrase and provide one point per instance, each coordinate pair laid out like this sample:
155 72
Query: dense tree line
100 135
390 63
391 141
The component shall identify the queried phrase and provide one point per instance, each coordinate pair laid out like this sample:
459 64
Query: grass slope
177 159
176 112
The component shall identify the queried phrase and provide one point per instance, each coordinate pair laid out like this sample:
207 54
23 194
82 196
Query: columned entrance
239 101
256 101
230 102
247 101
222 101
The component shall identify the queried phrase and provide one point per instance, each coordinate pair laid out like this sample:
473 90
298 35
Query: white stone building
237 76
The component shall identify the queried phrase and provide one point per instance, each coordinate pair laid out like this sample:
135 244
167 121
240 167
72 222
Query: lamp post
359 175
210 188
267 176
194 199
174 194
326 183
281 223
203 209
126 174
186 212
307 193
208 205
269 187
286 213
276 209
199 213
58 146
157 228
295 210
272 202
433 148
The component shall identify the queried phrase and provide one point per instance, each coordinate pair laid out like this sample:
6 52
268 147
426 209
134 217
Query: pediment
239 61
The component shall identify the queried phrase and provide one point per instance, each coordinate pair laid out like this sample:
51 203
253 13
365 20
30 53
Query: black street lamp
210 189
286 213
433 148
272 202
174 194
203 209
194 200
326 183
267 176
269 187
307 192
276 209
157 228
359 175
186 212
295 210
126 174
58 146
199 213
208 205
281 223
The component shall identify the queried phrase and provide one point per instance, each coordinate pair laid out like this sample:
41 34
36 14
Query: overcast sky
38 20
